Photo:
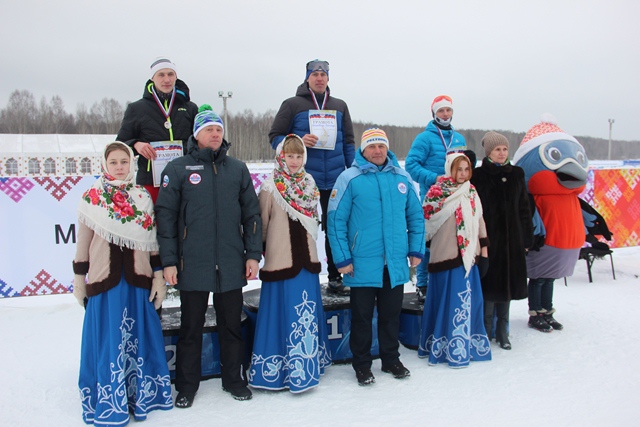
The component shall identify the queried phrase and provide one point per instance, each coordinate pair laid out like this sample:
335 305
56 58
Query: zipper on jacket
353 245
218 286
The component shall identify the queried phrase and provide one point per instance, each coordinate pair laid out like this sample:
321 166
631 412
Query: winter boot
548 317
536 321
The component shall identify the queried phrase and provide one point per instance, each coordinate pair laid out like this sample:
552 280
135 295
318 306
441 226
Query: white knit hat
162 62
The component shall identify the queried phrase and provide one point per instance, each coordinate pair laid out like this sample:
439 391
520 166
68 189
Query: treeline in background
246 131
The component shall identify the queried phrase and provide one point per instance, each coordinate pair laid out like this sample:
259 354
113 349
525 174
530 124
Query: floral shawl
446 198
120 211
296 193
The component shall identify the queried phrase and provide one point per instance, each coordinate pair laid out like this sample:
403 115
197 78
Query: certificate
165 152
324 125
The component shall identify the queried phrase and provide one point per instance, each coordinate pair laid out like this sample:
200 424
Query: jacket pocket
354 241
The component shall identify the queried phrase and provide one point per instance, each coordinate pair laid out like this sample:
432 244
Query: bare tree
20 114
106 115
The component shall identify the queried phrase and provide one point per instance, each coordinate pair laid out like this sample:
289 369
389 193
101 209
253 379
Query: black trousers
193 306
389 304
332 271
501 310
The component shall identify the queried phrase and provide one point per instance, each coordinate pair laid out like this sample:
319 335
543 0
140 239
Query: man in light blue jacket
425 161
375 223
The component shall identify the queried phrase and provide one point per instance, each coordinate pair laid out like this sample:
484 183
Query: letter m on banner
71 234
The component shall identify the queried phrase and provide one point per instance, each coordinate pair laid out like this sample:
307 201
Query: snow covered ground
586 375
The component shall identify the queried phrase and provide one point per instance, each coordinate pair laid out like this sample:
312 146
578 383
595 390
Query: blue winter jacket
293 117
425 161
375 218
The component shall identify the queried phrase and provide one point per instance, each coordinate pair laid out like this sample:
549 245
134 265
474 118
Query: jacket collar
207 154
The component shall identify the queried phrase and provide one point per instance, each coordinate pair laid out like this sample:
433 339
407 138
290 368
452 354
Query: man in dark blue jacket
210 236
325 165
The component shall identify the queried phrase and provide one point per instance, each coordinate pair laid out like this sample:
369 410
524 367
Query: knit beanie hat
491 140
162 62
206 117
439 102
545 131
373 136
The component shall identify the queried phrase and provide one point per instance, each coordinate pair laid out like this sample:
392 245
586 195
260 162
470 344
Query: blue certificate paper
165 152
324 125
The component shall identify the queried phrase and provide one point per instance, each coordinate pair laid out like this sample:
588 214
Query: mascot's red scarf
559 208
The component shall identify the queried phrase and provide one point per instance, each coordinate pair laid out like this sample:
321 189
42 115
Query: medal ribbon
324 101
446 146
166 110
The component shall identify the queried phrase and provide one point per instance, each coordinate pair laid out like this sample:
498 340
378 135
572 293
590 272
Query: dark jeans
501 311
193 306
540 295
389 304
324 205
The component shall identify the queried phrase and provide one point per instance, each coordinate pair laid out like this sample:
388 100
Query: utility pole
611 121
224 112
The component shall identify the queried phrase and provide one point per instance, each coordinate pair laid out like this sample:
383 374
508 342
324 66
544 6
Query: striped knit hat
160 63
545 131
373 136
206 117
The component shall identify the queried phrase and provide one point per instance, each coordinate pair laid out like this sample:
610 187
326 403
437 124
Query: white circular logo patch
402 187
195 178
165 181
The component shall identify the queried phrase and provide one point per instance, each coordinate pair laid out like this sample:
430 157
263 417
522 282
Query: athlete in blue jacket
324 165
375 223
425 161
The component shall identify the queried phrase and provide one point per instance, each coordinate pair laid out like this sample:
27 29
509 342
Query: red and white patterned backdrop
38 212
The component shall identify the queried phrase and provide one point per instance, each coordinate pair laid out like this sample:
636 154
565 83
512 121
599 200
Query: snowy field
586 375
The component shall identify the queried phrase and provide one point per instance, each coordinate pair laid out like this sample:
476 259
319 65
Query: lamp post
224 107
611 121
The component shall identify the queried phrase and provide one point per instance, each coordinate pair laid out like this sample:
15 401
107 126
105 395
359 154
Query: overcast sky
504 62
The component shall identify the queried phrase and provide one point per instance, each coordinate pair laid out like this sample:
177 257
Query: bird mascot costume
555 166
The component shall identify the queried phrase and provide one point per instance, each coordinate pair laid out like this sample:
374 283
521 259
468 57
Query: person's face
376 154
164 80
118 164
318 81
444 113
462 172
293 161
499 154
210 137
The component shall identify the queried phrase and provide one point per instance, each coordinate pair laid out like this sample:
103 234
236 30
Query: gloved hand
79 288
538 242
483 266
158 289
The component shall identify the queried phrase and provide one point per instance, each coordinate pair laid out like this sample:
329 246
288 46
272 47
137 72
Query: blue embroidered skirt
123 366
453 319
291 347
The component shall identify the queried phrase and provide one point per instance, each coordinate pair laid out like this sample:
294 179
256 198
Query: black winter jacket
506 213
144 121
208 219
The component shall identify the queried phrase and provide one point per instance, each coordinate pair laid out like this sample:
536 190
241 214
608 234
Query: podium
210 348
338 317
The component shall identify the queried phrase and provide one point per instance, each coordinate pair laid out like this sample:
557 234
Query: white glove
79 288
158 289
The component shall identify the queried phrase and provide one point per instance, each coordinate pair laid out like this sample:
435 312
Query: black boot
548 317
537 322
